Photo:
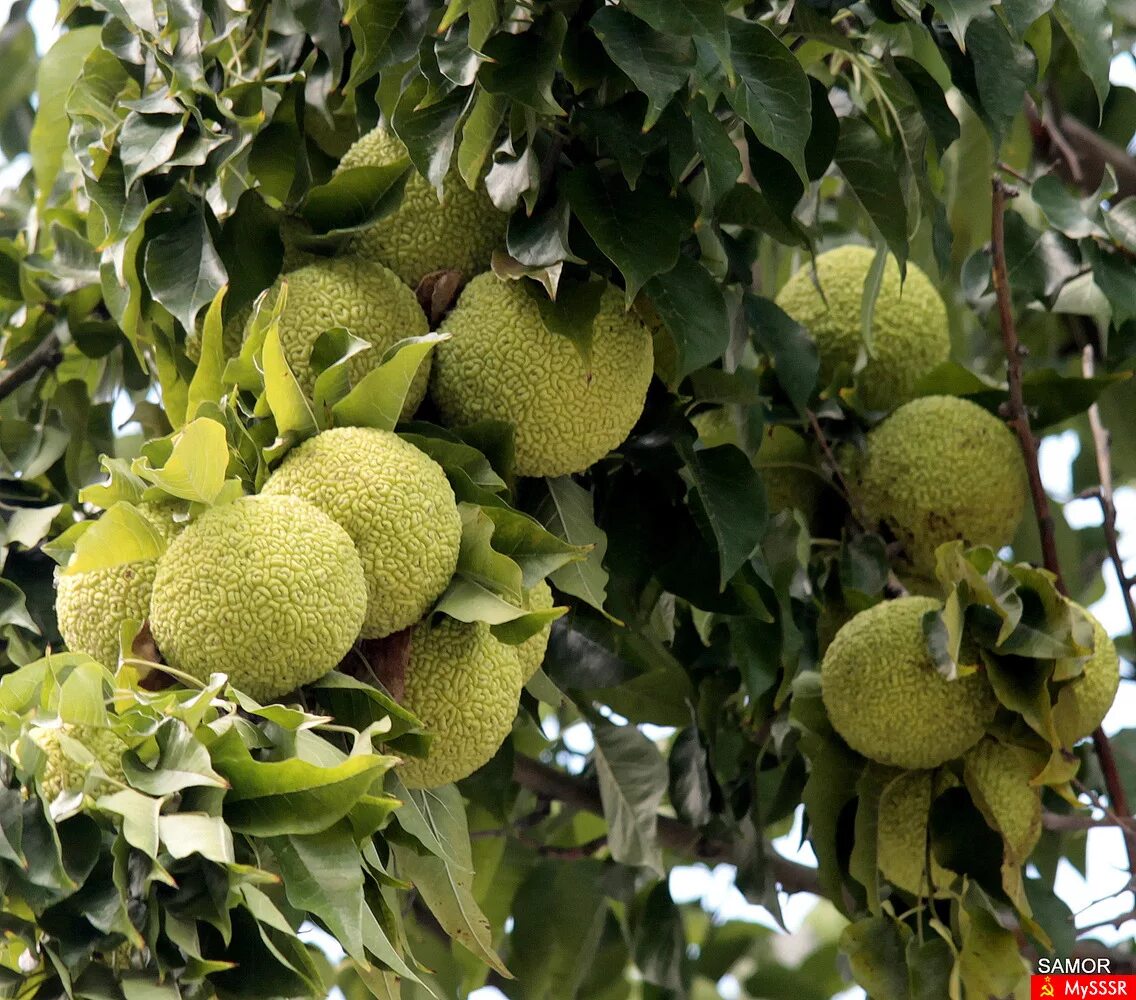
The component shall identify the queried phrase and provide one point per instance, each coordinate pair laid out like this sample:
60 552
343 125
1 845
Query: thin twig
1016 174
1017 416
673 834
47 354
1102 445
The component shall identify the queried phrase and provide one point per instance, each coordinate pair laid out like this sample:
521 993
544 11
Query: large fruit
464 686
396 504
360 295
503 363
531 651
267 589
910 335
1083 702
940 469
885 697
422 234
63 772
91 607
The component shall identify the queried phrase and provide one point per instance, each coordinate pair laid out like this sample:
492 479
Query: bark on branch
46 355
673 834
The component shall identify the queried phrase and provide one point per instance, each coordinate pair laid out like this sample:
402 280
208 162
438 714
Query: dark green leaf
183 269
693 308
1003 72
865 160
633 781
1088 24
733 499
522 67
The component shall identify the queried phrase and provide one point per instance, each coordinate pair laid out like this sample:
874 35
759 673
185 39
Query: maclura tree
389 388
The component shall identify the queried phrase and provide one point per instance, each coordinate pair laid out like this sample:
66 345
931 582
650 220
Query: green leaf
1003 72
479 135
958 14
355 197
271 798
659 941
633 780
658 64
81 697
323 875
866 162
1088 25
689 18
195 468
185 834
121 535
639 230
794 353
772 94
477 560
207 386
876 949
522 67
691 304
940 119
538 552
1075 217
139 818
733 498
286 400
566 511
58 70
378 399
183 269
990 961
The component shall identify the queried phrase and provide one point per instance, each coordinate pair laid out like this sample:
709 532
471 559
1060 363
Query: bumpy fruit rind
63 773
887 700
91 607
464 685
998 777
531 651
396 504
422 234
502 363
902 848
360 295
910 332
267 589
940 469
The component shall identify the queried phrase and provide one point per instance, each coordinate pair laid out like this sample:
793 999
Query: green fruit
532 650
940 469
268 590
504 364
464 686
361 296
422 234
1083 702
64 773
887 700
902 846
998 778
910 333
396 504
91 607
785 462
232 337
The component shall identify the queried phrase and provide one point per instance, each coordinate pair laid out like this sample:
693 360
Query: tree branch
46 355
1018 418
579 793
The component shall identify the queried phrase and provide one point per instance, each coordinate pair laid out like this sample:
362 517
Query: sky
715 887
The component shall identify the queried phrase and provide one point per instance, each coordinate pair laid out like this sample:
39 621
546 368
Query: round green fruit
941 469
464 685
885 697
64 773
396 504
910 333
503 363
902 849
267 589
998 777
1083 702
423 234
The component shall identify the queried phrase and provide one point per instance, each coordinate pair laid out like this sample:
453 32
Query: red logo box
1054 987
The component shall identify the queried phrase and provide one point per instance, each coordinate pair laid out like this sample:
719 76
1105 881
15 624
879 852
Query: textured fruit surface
885 697
784 460
531 651
940 469
998 778
464 686
902 849
362 296
268 590
1083 702
910 334
422 234
504 364
62 772
91 607
396 504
